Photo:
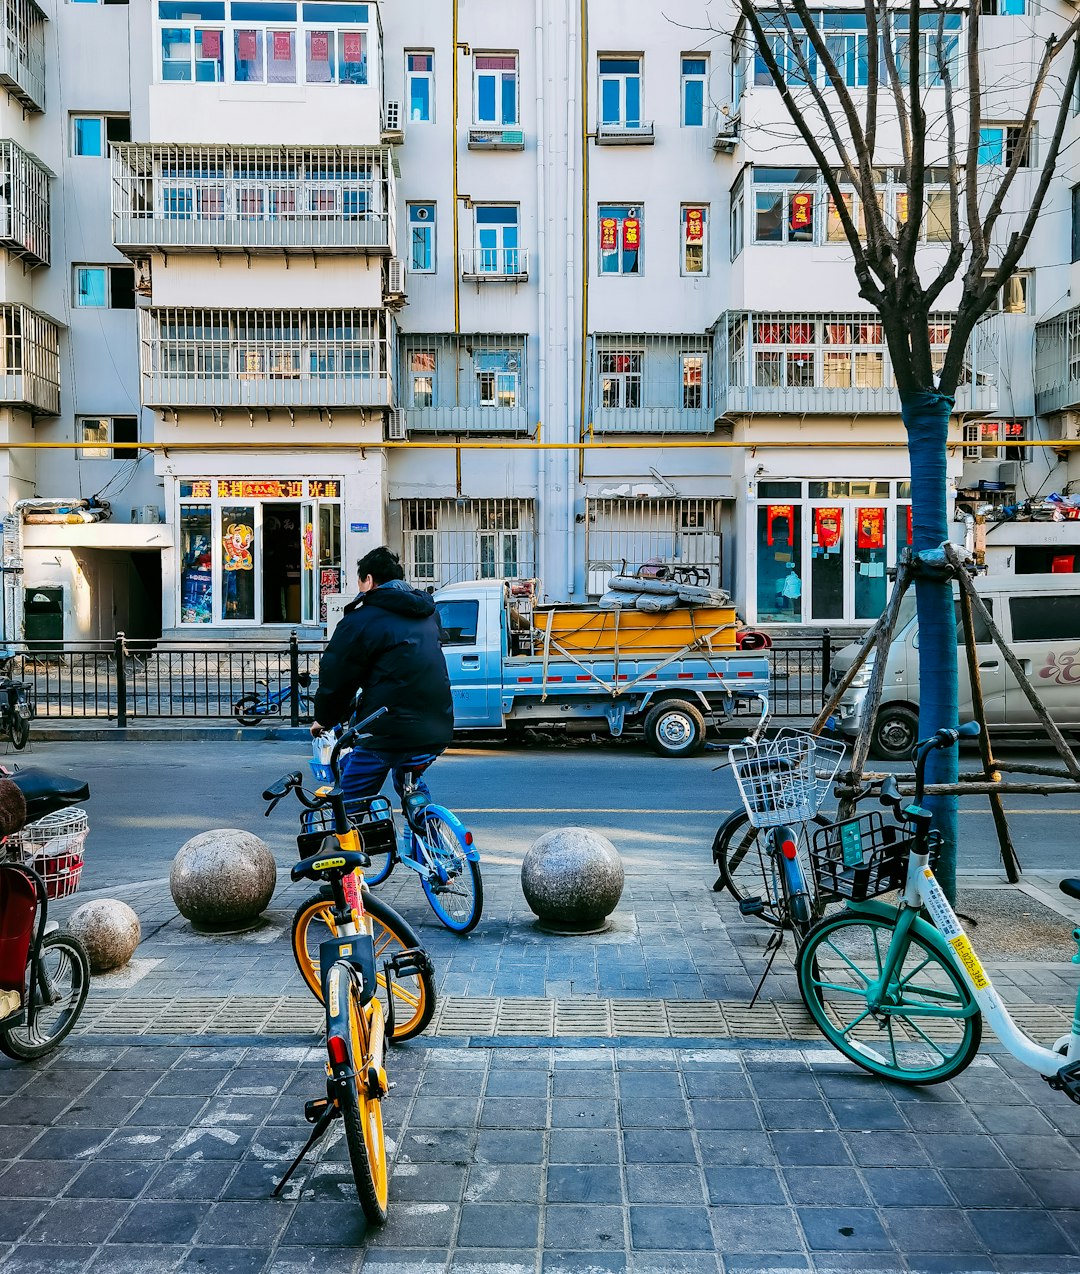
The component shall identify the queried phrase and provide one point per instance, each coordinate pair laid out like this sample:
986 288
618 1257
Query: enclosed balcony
622 534
30 368
447 541
333 199
824 364
22 60
266 358
24 204
651 384
1057 363
459 384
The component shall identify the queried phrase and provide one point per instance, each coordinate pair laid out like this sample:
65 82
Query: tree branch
971 164
956 244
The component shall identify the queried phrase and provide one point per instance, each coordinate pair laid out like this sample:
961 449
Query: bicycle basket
860 858
785 779
53 847
370 815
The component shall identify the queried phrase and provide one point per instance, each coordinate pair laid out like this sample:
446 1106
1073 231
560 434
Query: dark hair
381 564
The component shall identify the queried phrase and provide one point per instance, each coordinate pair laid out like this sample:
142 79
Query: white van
1039 617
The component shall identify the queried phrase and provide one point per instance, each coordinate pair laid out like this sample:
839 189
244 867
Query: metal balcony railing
29 360
266 358
24 204
22 58
464 383
1057 363
495 264
253 198
651 384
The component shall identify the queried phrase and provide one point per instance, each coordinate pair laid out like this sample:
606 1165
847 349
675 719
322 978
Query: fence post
826 656
294 679
120 649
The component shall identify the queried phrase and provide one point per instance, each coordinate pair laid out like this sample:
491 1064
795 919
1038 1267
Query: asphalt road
148 798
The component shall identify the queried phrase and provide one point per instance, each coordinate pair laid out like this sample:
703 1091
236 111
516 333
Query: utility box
43 617
335 608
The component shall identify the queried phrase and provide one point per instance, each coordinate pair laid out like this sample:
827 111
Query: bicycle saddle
45 792
328 864
1070 887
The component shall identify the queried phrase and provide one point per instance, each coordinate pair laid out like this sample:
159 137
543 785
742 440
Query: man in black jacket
388 643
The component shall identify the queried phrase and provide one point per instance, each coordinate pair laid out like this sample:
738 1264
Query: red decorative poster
320 46
329 582
631 234
828 527
353 46
909 535
802 211
211 44
769 333
780 513
695 225
801 333
246 48
609 234
870 533
282 46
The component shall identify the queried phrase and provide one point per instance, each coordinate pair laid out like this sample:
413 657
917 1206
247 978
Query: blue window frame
87 135
695 75
420 86
422 238
497 239
91 287
495 88
620 91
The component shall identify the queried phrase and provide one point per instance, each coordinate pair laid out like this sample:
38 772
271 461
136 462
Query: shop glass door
779 562
331 578
238 563
307 562
871 536
827 561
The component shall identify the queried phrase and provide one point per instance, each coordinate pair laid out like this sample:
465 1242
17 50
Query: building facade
522 289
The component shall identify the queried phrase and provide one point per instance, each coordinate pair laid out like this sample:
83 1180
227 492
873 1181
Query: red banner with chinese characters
909 535
210 42
609 234
320 46
802 211
282 46
631 234
353 46
780 513
260 489
246 47
695 225
828 527
871 528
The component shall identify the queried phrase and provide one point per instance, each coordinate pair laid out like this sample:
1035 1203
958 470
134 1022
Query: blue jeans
365 772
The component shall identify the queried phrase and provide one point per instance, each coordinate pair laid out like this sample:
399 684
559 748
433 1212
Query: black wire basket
860 857
370 815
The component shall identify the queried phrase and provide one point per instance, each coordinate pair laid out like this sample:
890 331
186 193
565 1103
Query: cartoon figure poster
236 547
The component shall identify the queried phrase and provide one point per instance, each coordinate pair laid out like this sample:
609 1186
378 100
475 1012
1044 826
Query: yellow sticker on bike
325 864
970 961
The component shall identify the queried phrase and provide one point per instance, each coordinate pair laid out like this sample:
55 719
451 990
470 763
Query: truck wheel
675 728
895 734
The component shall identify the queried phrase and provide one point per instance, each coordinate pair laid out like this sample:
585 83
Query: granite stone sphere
108 929
223 879
572 878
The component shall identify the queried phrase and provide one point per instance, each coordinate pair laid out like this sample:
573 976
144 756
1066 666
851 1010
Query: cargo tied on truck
668 674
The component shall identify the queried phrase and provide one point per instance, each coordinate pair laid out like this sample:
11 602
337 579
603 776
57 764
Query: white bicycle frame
922 890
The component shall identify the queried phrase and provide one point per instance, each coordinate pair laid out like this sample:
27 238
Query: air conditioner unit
1066 425
1008 473
396 428
395 281
393 123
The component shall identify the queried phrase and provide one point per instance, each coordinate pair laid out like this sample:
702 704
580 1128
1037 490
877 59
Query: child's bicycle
44 973
250 709
900 995
440 849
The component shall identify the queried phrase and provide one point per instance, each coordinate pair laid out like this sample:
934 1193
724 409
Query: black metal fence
122 681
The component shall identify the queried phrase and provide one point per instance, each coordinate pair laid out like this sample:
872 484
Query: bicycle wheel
59 989
931 1028
362 1115
459 899
414 994
746 869
20 728
246 710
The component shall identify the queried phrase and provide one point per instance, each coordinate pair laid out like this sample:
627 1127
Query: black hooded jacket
388 643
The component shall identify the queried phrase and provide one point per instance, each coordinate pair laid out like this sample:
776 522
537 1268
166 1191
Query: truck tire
675 728
896 731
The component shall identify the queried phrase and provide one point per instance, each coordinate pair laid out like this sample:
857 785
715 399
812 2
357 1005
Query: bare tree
921 107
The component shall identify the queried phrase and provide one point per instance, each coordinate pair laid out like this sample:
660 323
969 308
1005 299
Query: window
695 80
1076 223
108 437
420 86
998 144
1054 618
497 246
694 220
335 57
620 379
1015 295
497 378
1003 8
495 88
193 53
422 364
939 48
105 287
784 209
735 220
621 239
620 91
422 238
694 388
983 439
458 621
90 134
794 56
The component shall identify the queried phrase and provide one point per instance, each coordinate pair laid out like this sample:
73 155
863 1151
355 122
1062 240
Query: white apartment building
525 290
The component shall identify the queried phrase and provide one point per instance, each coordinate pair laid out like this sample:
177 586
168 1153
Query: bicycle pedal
314 1110
377 1083
751 906
412 960
1067 1081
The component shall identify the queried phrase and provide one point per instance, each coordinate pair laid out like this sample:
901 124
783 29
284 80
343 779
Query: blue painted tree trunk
926 418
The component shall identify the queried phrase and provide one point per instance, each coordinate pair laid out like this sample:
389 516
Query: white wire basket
53 847
785 779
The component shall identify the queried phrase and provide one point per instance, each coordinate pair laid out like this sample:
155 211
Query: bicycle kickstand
327 1116
773 946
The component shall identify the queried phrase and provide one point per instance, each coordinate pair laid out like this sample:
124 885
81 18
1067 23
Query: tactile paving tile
459 1015
704 1018
525 1017
638 1017
582 1017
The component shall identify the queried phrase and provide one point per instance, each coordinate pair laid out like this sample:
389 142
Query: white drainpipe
543 397
573 128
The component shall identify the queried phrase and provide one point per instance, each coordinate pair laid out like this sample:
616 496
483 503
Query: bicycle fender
359 951
471 851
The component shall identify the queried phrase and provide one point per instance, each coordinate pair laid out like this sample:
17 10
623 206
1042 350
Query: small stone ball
572 878
108 929
223 879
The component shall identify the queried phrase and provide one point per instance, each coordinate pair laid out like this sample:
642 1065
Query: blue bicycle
252 708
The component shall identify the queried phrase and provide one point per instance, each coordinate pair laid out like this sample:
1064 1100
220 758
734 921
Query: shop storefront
258 550
821 548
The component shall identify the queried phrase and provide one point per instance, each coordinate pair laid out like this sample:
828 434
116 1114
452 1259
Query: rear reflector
335 1046
789 849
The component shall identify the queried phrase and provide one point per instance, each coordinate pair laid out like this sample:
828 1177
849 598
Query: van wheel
896 732
675 728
